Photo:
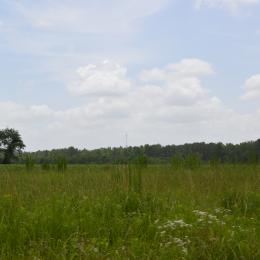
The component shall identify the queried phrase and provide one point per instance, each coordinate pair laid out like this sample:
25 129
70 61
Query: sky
85 73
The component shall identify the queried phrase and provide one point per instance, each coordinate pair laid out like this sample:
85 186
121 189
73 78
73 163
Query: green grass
120 212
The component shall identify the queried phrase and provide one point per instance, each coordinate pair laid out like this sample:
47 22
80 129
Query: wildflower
95 250
212 217
184 250
200 213
163 232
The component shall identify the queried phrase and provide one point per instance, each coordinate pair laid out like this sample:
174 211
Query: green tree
11 144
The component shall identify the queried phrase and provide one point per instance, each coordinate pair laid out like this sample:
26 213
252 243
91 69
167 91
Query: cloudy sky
85 72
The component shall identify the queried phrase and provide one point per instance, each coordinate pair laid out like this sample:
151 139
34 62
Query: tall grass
62 164
130 212
29 162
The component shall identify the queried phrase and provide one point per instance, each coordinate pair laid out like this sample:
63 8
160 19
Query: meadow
130 212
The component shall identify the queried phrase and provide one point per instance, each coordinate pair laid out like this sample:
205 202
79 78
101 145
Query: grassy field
121 212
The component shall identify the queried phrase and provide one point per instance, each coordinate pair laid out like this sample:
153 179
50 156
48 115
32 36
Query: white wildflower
95 250
184 250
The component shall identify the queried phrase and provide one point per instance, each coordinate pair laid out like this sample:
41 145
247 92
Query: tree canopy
11 144
247 152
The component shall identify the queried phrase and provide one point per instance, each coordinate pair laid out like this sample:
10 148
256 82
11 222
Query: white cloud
230 4
180 81
190 67
103 79
169 106
252 88
19 114
44 128
184 68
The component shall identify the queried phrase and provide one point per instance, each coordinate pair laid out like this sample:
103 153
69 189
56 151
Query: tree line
246 152
11 150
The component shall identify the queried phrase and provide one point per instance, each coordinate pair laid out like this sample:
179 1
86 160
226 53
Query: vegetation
29 162
11 144
248 152
192 201
62 164
135 211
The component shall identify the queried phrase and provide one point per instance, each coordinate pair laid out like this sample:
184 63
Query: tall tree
11 143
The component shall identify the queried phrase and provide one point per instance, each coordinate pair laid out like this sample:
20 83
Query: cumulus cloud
184 68
19 114
103 79
252 88
45 128
180 81
230 4
190 67
166 105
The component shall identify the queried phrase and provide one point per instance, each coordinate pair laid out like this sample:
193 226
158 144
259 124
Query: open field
121 212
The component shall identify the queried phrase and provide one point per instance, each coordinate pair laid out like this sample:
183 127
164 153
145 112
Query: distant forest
246 152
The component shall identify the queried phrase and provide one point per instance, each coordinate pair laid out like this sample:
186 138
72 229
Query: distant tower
126 140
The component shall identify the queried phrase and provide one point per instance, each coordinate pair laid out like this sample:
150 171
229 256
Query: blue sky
84 73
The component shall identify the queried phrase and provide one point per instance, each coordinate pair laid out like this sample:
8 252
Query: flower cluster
169 233
174 224
207 218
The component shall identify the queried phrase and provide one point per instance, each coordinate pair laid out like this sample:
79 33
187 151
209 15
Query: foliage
89 212
248 153
10 144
